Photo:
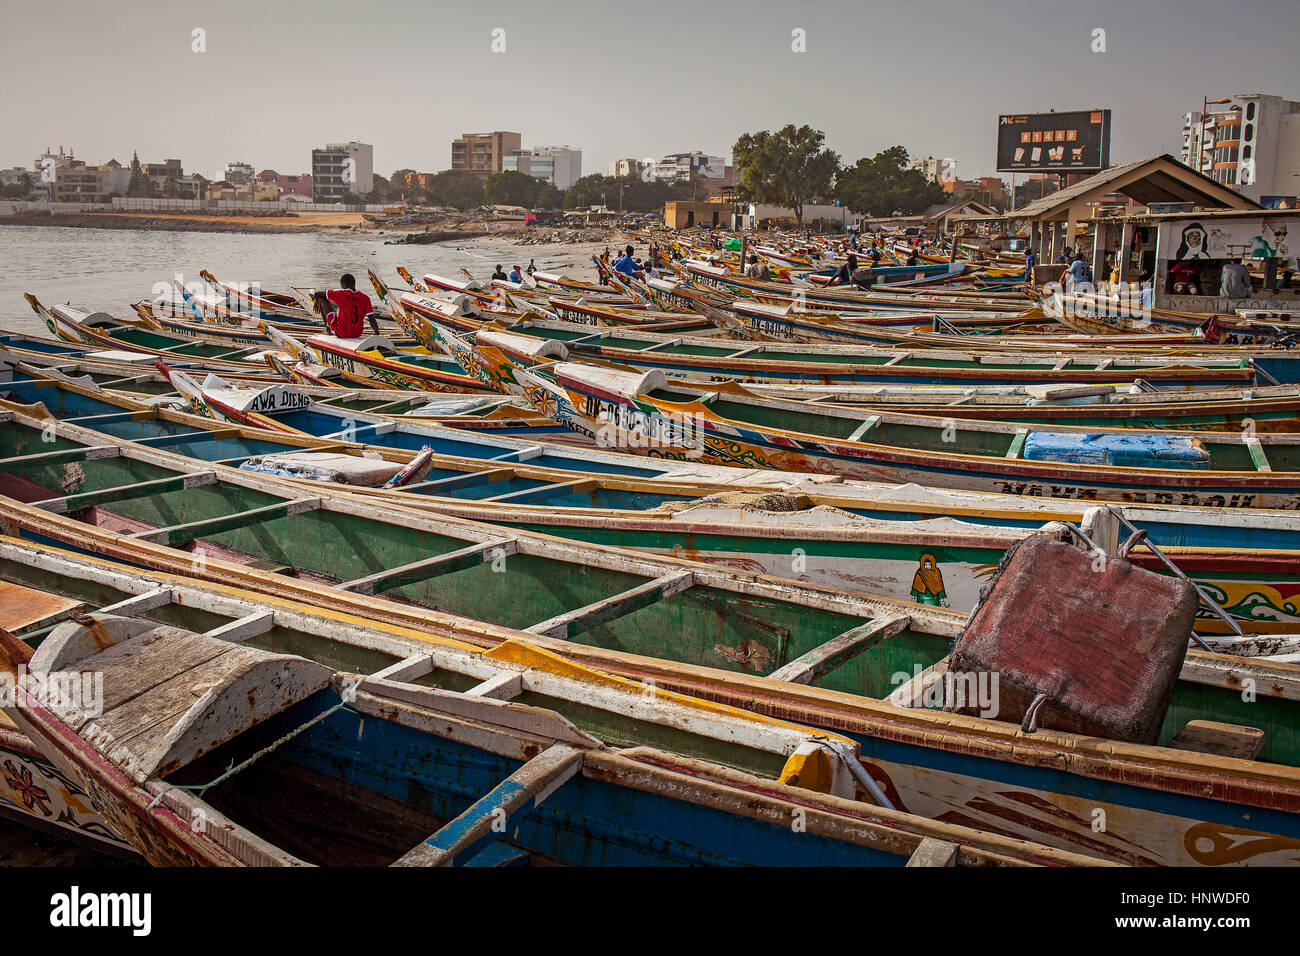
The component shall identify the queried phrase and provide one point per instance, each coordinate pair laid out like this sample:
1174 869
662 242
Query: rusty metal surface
22 607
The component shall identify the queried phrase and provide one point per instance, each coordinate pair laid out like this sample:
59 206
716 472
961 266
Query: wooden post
1125 244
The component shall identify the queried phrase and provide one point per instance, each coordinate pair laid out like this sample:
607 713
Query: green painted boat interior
614 729
702 625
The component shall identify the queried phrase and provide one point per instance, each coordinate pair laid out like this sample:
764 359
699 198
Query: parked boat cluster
686 566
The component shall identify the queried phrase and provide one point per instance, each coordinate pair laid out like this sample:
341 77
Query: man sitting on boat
345 310
626 264
844 275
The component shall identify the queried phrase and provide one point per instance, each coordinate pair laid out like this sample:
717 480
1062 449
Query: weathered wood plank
1017 443
1225 740
241 629
193 530
826 657
496 811
65 456
159 486
501 687
932 852
575 622
868 425
457 560
529 495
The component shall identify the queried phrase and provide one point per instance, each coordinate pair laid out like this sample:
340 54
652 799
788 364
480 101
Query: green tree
884 186
587 191
351 199
381 189
456 188
512 188
140 185
171 189
789 167
548 197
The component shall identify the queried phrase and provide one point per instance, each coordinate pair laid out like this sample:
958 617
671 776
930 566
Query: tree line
464 190
792 167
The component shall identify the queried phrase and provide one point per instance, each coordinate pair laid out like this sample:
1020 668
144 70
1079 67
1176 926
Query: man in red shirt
1185 276
351 308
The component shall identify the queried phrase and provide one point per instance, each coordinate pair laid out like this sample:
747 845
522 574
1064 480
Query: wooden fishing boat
838 543
675 419
1267 408
704 359
523 470
914 330
375 359
328 712
1163 804
101 330
261 305
706 276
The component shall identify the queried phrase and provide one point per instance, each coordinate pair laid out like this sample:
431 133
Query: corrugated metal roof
1185 180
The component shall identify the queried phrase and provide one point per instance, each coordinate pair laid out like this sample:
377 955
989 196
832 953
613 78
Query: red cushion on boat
1104 639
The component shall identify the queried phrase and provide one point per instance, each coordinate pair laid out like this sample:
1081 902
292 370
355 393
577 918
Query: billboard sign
1054 142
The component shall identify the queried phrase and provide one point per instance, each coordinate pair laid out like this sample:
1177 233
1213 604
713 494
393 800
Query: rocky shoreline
102 220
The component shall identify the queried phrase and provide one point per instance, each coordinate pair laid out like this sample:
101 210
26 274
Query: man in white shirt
1235 282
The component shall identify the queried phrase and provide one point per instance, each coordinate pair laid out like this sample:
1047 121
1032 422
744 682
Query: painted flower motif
543 401
21 783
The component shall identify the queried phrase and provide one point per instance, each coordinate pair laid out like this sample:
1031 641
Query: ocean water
108 269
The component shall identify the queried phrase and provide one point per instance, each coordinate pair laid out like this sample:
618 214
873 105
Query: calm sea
107 269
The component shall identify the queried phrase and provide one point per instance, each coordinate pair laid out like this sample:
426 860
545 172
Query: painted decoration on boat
32 785
927 583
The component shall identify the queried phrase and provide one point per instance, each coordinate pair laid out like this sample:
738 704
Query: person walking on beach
345 309
532 266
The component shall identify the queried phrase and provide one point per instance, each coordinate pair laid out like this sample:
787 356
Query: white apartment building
679 167
622 168
931 168
518 161
561 166
339 168
1251 144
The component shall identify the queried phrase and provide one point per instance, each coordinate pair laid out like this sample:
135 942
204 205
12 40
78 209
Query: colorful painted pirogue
864 539
666 418
719 635
347 731
715 359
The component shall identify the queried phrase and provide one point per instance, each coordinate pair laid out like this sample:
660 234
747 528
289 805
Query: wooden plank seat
168 695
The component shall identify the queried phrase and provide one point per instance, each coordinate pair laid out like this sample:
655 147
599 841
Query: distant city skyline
633 81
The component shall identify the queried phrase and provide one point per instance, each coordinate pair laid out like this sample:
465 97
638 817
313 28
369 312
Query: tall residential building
932 169
680 167
622 168
561 166
483 153
518 161
339 168
1251 144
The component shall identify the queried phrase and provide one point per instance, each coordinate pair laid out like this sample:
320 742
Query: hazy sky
612 78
